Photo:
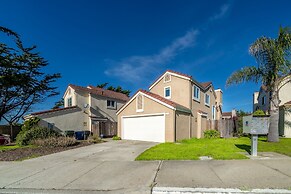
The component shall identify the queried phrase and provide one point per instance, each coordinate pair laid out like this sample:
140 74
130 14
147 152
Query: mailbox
256 125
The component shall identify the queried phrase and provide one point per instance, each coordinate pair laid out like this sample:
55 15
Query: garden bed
16 153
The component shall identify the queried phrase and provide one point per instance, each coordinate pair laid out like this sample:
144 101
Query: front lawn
220 149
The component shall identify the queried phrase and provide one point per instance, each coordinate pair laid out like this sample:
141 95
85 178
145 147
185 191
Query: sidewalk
209 176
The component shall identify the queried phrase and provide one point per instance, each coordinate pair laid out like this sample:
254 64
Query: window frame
263 100
69 101
196 98
111 107
142 103
207 104
213 112
165 88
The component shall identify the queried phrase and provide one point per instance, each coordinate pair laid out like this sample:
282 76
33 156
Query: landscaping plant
211 134
55 142
116 138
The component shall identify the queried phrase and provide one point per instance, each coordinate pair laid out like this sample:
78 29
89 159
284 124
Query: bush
69 133
55 142
94 139
211 134
116 138
259 113
36 132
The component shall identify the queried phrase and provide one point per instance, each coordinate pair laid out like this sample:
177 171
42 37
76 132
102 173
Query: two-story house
85 108
175 107
261 101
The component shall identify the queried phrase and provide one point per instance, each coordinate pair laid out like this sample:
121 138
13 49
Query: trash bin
82 135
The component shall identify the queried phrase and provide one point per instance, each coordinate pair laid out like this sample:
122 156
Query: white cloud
135 68
222 12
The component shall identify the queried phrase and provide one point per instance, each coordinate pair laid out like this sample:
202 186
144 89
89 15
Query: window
207 99
111 104
263 100
167 92
167 78
196 93
50 126
69 102
213 113
139 103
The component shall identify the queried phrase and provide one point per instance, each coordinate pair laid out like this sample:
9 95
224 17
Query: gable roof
51 111
159 99
202 85
101 92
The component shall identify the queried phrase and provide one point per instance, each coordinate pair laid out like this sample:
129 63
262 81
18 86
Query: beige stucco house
85 108
175 107
261 101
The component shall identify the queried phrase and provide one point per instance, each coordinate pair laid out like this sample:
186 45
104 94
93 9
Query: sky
132 42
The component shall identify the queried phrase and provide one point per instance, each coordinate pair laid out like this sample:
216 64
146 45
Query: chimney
218 93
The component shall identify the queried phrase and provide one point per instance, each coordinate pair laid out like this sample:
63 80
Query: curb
185 190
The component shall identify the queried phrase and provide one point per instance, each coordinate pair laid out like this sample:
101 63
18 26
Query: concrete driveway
101 167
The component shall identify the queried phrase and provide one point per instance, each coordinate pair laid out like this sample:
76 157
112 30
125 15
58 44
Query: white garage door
145 128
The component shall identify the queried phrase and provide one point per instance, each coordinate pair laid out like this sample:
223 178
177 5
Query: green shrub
211 134
55 142
36 132
116 138
69 133
259 113
94 139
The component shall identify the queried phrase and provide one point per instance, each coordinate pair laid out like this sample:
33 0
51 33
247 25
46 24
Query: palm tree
273 59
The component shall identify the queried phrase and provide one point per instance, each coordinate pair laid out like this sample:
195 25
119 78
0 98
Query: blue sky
131 42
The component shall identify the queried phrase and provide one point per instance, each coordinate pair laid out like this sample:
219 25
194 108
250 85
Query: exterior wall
261 106
151 107
70 93
180 90
183 126
219 102
70 120
255 101
285 116
200 105
287 128
99 107
284 93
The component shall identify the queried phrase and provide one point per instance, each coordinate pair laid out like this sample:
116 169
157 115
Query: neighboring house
229 115
261 101
85 108
175 107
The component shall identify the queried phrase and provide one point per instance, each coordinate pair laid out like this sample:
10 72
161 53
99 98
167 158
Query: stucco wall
180 90
182 125
151 107
70 93
66 120
285 94
200 105
101 103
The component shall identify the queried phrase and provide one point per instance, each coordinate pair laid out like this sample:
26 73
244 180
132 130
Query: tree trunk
273 135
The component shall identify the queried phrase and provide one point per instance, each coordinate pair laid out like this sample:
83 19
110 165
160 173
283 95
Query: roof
101 92
203 85
54 110
227 114
160 99
287 103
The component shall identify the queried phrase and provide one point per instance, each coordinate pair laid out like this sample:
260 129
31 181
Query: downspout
175 130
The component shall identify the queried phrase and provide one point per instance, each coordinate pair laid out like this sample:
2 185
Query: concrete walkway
110 168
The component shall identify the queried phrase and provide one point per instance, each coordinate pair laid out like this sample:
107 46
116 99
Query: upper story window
196 93
167 92
167 78
207 99
111 104
69 101
263 100
139 103
213 113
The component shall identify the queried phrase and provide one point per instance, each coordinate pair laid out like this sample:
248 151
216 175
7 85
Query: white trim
136 103
199 94
140 92
168 97
203 114
147 115
207 104
168 80
213 112
171 73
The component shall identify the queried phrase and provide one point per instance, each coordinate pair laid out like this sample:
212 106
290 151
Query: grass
12 147
220 149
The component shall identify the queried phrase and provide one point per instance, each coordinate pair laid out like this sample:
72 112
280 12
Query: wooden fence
226 127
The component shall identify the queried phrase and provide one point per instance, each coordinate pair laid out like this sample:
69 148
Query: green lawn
220 149
12 147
